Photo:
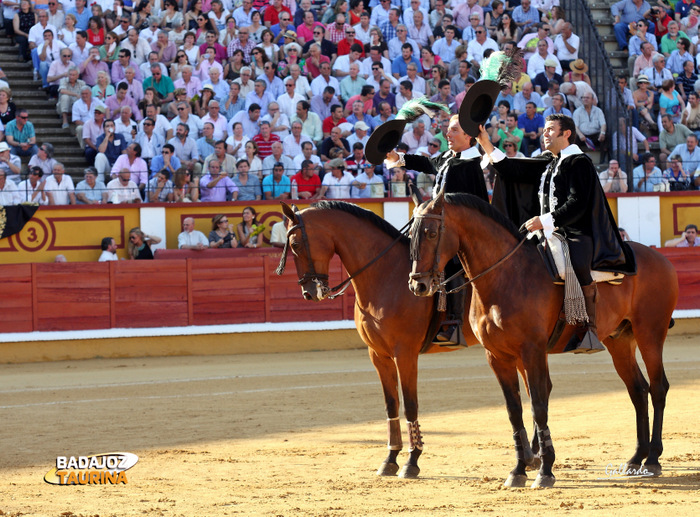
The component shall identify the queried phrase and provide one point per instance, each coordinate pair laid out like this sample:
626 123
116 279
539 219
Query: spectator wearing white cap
9 163
360 135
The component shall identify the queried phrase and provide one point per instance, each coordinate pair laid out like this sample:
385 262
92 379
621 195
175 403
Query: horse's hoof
653 469
632 469
409 471
388 469
543 481
516 481
535 464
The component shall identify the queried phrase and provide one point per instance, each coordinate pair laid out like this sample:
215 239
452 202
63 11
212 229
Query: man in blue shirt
399 65
110 146
524 15
532 124
626 12
277 185
647 175
165 160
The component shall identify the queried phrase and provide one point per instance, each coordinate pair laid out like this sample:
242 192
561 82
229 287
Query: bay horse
390 320
515 306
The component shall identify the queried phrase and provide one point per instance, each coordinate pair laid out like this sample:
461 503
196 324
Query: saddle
553 255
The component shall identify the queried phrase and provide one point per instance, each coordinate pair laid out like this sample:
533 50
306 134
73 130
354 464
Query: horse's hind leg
651 348
622 351
534 359
386 369
507 376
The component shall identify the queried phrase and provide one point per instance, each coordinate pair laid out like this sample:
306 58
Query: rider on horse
457 170
567 199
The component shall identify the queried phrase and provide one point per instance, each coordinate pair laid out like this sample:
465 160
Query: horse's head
430 246
312 270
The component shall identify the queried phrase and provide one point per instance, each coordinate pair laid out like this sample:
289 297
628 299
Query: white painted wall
153 223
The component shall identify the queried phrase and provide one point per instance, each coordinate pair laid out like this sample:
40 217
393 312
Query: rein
318 278
437 279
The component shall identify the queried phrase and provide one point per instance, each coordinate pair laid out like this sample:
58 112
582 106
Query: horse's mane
364 214
478 204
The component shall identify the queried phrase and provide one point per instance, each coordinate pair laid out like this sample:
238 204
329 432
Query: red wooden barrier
193 288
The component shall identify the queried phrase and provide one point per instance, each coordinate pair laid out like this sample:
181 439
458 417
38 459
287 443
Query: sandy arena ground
303 433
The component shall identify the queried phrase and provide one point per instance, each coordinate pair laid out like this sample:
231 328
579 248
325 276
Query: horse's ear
289 212
439 200
415 194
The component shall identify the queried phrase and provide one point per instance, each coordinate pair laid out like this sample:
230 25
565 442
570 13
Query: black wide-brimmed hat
477 105
383 139
387 136
498 71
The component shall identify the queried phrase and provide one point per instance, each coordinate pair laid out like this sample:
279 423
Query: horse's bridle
437 278
321 280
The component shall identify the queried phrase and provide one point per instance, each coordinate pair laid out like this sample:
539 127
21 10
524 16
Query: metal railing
604 83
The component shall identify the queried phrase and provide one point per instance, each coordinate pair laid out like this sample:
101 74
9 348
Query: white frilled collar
467 154
570 151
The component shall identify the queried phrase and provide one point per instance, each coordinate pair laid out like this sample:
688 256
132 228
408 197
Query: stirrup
589 344
456 337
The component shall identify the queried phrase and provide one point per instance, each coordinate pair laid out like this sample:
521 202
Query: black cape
463 176
578 204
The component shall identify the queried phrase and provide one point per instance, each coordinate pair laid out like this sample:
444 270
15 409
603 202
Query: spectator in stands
160 188
625 12
525 15
8 109
657 74
91 191
690 154
91 131
275 158
185 147
527 94
590 125
139 245
691 114
335 140
566 46
109 250
277 185
120 99
689 239
337 182
226 161
57 70
80 48
122 190
671 136
645 60
20 135
626 134
132 162
249 187
10 164
613 179
369 185
110 146
306 183
675 175
646 176
216 185
307 153
644 101
135 90
23 21
91 65
151 142
532 125
685 82
221 235
31 190
166 161
510 133
9 193
265 139
446 47
249 230
59 187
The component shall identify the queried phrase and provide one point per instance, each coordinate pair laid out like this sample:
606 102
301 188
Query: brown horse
515 306
390 320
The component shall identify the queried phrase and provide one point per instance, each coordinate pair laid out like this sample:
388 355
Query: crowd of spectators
216 100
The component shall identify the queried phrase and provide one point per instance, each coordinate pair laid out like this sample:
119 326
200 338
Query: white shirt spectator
107 256
475 50
9 194
192 239
374 188
59 191
320 83
535 64
562 52
118 194
338 188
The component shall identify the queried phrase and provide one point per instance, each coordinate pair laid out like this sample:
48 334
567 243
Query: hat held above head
385 137
498 72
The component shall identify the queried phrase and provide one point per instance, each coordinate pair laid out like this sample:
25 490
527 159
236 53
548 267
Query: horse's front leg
535 361
386 369
408 373
507 375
